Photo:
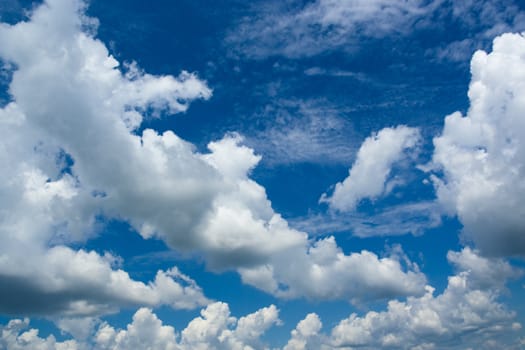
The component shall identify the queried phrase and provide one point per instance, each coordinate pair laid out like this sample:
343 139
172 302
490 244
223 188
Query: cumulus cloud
482 153
71 135
305 334
215 329
15 336
324 272
69 100
282 260
369 174
66 282
484 273
146 331
465 315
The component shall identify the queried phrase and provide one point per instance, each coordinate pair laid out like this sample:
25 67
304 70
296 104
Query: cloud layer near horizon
466 315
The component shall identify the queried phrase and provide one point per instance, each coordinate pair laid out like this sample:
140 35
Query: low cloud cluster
464 315
214 329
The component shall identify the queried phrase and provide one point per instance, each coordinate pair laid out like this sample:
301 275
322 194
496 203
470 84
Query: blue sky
258 175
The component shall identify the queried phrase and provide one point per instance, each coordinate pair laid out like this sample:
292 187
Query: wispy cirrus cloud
481 154
306 30
321 25
408 218
309 131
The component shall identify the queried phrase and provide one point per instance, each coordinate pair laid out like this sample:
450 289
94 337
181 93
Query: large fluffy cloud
74 152
369 174
482 154
66 93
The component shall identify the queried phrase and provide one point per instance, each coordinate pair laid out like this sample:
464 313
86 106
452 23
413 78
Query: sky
290 175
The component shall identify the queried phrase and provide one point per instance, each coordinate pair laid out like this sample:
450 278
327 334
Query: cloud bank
465 315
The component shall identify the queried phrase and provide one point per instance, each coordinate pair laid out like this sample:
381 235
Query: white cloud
145 332
305 334
369 174
245 232
14 336
465 315
297 131
80 328
482 153
66 93
62 281
322 25
484 20
75 102
462 316
483 272
302 30
324 272
215 329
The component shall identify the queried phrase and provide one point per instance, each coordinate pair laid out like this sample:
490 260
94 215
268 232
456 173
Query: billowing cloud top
483 154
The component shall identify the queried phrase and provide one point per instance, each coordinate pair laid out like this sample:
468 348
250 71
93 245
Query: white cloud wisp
369 174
